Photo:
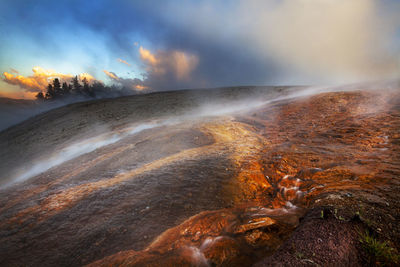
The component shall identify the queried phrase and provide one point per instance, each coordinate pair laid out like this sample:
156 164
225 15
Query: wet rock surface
229 190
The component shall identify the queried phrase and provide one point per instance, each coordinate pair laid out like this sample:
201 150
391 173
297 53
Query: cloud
332 38
30 84
207 43
86 76
133 84
40 79
112 75
164 70
123 61
183 64
19 94
147 56
308 40
177 64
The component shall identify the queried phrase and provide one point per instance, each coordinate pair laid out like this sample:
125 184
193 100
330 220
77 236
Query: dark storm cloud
308 41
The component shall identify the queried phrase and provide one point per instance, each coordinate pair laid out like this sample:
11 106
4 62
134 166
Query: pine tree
65 88
39 96
50 92
85 86
76 86
57 87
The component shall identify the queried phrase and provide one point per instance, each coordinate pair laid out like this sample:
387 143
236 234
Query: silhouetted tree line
96 89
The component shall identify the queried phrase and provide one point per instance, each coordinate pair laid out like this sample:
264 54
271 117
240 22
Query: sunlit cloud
147 57
18 94
89 78
112 75
176 63
184 64
29 83
161 67
141 87
123 61
40 79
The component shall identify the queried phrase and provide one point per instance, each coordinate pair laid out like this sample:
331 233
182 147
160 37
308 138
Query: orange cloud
177 63
147 56
183 64
163 69
123 61
112 75
40 79
28 83
86 76
19 95
141 87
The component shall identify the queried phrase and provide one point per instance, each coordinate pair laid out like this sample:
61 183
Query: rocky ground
188 181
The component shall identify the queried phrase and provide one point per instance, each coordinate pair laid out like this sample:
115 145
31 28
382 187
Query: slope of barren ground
183 179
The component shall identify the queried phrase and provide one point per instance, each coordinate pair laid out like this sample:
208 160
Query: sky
166 45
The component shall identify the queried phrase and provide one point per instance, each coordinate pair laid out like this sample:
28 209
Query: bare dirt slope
179 179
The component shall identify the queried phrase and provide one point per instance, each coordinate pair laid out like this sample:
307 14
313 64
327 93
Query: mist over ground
88 125
13 111
190 105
